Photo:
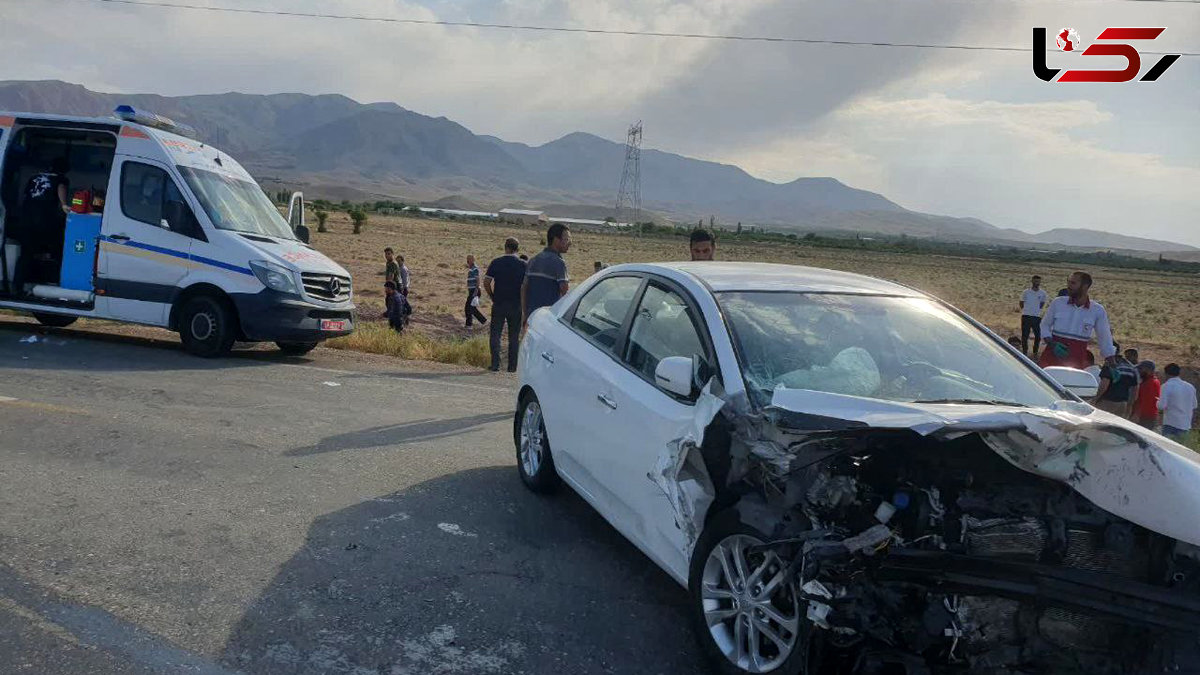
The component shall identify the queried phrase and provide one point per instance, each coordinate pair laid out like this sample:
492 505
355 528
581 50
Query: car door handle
607 401
548 356
119 237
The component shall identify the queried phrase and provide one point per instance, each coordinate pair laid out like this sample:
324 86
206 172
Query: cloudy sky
963 133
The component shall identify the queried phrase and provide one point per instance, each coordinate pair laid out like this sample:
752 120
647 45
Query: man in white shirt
1069 324
1177 401
1033 301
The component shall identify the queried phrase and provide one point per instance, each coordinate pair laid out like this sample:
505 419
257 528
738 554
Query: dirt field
1155 312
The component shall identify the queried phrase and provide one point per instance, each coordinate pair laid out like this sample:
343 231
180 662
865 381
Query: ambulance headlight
274 277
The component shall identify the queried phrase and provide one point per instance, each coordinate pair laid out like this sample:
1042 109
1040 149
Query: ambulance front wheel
206 326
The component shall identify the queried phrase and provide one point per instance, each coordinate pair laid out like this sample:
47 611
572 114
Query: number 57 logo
1067 41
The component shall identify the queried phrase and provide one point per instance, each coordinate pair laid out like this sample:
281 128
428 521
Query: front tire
747 619
206 327
534 462
54 320
296 348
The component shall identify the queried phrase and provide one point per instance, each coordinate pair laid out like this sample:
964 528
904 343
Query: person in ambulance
44 207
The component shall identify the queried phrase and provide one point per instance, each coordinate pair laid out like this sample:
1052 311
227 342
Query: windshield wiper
260 234
974 401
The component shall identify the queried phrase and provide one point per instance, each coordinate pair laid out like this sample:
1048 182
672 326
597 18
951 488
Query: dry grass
1152 311
1193 440
379 338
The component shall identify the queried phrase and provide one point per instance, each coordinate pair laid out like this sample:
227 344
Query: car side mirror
302 233
674 374
1079 382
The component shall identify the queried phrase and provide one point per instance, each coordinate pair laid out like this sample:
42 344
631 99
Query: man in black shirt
44 209
503 285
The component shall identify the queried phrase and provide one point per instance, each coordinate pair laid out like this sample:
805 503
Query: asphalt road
259 514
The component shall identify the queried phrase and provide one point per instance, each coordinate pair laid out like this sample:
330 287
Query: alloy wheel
751 613
531 439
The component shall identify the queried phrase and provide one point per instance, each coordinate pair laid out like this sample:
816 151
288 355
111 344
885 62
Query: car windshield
236 205
890 348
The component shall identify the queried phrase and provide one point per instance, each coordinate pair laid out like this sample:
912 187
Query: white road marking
439 652
397 516
454 529
36 405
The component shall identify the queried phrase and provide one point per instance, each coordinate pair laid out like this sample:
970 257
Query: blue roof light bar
130 114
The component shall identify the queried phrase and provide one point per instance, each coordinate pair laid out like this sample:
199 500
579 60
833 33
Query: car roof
753 276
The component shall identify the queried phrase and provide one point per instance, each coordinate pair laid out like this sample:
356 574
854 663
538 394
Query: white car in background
851 476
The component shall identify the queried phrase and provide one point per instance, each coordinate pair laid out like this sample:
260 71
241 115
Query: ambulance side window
150 196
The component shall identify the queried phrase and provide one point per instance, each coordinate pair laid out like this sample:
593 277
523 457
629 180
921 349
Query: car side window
602 310
147 196
664 325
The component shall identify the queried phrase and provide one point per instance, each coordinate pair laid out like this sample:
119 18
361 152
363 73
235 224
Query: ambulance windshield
236 205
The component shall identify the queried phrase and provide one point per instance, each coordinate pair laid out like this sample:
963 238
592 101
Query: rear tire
534 462
206 327
296 348
55 320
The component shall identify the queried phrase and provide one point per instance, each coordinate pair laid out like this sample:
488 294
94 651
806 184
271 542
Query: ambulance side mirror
302 233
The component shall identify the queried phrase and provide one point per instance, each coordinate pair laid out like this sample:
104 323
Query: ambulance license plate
334 324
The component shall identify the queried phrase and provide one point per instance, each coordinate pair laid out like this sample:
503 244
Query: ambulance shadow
466 573
399 434
29 345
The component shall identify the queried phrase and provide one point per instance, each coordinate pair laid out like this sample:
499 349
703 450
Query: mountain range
336 147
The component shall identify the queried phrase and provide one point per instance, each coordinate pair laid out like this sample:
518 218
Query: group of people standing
517 287
1129 387
515 284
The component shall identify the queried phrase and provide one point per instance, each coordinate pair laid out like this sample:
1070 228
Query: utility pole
630 194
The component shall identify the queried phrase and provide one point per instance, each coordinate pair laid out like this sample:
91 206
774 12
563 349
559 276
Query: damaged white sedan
850 476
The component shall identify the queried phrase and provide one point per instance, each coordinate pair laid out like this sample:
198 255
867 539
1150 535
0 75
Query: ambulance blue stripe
223 265
180 254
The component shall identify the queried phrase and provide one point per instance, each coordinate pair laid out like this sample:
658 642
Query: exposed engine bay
914 554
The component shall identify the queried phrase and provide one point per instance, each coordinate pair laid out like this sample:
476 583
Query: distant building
523 217
589 221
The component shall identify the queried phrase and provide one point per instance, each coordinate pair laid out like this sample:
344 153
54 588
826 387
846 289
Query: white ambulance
158 229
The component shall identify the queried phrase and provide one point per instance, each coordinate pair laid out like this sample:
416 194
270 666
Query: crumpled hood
1116 464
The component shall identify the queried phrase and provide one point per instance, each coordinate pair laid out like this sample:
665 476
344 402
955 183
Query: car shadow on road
398 434
466 573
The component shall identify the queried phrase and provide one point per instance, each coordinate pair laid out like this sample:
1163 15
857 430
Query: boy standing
403 288
391 271
397 306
